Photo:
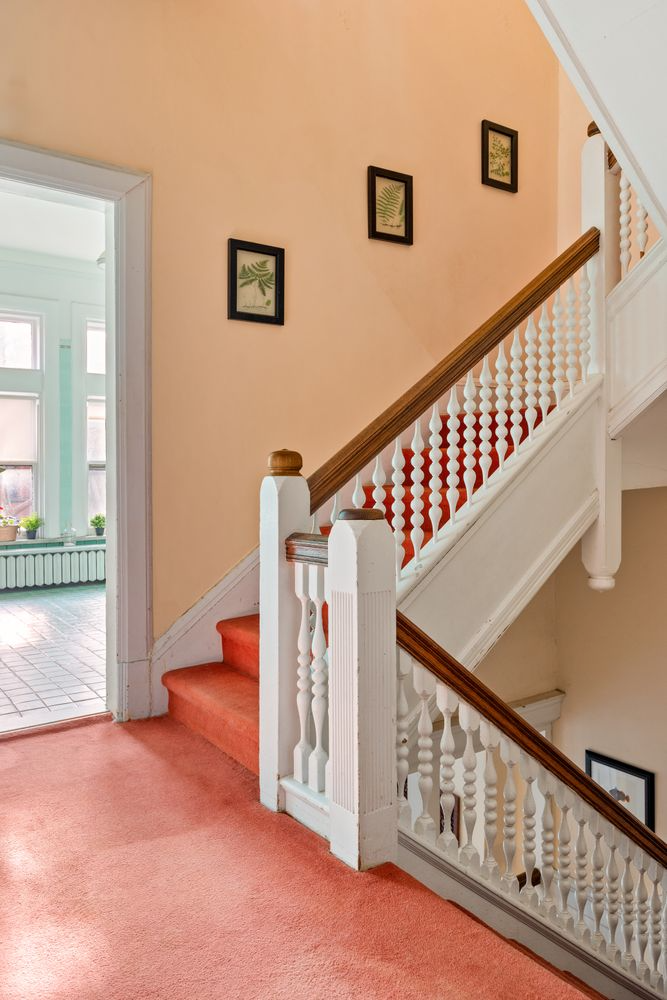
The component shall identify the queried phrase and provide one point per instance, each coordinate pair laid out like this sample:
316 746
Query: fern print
256 282
499 157
260 274
390 205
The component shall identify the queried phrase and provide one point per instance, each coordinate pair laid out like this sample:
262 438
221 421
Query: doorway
83 395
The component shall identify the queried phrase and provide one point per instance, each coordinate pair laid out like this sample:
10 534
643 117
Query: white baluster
572 371
303 749
485 421
501 405
379 480
655 944
453 453
469 722
314 525
624 216
642 910
598 884
564 852
612 896
528 769
417 505
584 322
489 738
317 762
559 351
581 869
358 496
531 376
398 507
627 906
642 228
545 363
435 464
403 666
547 870
335 508
516 392
509 753
424 683
447 703
469 443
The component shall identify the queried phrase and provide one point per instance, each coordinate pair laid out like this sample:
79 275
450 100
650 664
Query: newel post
362 689
284 509
601 545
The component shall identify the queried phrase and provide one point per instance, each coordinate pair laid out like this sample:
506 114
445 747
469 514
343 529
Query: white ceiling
44 220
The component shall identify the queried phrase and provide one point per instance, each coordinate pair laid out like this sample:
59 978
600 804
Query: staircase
419 543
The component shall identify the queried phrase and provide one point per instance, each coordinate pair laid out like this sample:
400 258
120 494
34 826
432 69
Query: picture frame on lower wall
630 786
389 206
255 282
500 156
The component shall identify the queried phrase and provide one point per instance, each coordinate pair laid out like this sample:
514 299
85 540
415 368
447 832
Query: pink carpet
137 864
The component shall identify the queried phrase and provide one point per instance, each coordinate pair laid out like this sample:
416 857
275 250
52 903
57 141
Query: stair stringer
636 311
513 536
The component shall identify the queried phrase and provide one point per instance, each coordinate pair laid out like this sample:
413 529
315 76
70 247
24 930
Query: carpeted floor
137 864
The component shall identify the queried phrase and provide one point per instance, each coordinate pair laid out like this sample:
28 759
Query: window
19 341
95 348
97 453
18 454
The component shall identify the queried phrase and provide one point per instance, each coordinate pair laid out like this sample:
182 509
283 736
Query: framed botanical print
631 786
389 206
256 282
500 156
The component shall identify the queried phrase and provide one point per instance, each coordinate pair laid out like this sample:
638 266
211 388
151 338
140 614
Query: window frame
35 322
16 461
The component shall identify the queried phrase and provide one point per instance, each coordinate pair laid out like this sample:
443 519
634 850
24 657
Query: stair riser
235 741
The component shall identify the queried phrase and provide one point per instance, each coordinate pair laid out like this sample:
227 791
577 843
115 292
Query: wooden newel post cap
592 130
361 514
285 463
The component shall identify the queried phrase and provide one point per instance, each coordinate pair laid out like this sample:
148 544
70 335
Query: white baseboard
193 638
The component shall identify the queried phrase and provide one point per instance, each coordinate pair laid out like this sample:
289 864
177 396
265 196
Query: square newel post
601 545
284 509
362 689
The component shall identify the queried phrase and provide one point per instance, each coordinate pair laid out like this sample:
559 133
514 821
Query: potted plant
98 521
31 525
8 527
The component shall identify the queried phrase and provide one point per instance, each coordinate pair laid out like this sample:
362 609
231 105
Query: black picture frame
647 777
488 128
405 237
235 309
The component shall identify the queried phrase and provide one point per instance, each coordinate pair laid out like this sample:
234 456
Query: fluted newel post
362 689
601 545
284 509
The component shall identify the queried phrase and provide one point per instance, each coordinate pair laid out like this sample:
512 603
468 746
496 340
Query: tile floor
52 655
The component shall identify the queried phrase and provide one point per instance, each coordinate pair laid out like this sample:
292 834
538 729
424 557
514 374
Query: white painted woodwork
584 322
416 484
34 567
501 405
558 350
303 749
358 495
403 669
362 693
564 856
528 769
509 753
485 407
317 762
453 453
398 507
572 370
469 721
424 685
516 390
625 221
469 435
379 480
435 467
545 362
489 739
284 509
448 703
531 376
642 229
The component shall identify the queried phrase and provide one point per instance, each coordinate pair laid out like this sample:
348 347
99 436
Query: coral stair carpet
138 865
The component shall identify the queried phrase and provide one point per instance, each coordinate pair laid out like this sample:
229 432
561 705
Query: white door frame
129 597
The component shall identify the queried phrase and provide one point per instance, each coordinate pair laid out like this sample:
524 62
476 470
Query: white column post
284 509
362 689
601 545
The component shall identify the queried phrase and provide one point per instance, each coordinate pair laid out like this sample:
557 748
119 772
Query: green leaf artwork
390 205
499 157
259 274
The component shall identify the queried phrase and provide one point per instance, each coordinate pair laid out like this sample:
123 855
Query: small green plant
32 522
98 521
6 520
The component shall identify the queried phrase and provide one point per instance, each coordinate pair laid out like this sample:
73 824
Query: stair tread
240 643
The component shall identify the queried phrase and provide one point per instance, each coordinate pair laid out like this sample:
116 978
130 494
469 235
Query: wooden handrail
468 687
351 459
302 546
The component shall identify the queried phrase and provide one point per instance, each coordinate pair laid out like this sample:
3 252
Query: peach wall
573 121
612 650
258 120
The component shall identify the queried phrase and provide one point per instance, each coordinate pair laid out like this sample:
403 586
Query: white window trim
84 386
130 686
